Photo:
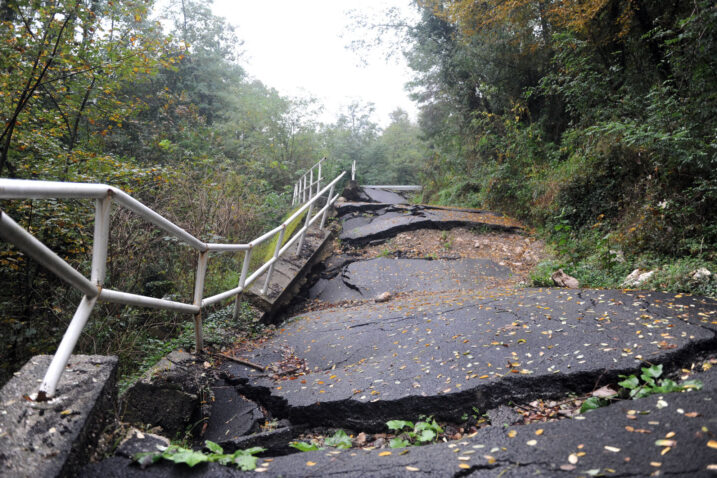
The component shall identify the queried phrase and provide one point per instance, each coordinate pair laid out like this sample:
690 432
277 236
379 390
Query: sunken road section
454 345
443 353
365 223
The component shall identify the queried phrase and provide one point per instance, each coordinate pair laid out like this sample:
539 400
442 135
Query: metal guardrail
93 289
305 185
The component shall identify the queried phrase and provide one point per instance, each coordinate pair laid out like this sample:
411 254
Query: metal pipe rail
305 185
93 290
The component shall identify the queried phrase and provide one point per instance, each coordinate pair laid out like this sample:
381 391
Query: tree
62 66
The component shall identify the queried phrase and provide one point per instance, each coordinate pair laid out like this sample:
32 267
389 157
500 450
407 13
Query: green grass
218 327
591 258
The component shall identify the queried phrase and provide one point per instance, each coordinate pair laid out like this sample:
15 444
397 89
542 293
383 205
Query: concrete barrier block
57 437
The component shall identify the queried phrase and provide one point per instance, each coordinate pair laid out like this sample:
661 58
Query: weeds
409 433
647 384
243 459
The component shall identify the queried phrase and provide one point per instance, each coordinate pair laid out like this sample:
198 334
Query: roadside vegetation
100 91
593 121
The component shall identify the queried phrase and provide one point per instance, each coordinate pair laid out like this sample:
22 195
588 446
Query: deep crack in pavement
456 345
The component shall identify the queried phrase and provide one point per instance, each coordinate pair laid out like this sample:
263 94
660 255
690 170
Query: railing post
318 180
198 294
242 281
311 182
101 240
306 227
303 196
279 242
79 319
62 356
353 171
326 210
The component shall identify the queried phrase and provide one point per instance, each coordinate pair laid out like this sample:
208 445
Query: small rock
561 279
701 274
138 442
504 416
481 243
379 443
383 297
637 277
361 439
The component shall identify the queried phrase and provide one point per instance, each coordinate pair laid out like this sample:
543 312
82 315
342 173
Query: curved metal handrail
93 290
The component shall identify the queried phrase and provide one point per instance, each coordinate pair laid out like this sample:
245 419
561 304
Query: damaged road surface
364 223
367 279
455 342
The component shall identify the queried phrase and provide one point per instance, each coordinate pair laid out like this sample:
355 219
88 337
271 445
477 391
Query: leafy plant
339 440
243 459
647 384
409 433
650 384
304 446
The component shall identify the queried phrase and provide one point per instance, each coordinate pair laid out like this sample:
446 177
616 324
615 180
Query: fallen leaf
604 392
531 442
512 433
712 444
384 453
412 468
613 449
573 459
310 463
464 466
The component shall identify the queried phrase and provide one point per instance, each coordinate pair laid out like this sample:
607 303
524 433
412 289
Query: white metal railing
93 289
305 185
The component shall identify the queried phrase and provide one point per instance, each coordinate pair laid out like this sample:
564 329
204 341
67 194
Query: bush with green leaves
649 383
409 433
243 459
339 439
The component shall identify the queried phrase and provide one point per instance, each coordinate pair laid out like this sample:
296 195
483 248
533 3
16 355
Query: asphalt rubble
456 340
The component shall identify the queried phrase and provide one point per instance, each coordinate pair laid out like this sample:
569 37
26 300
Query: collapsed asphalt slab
453 346
444 353
366 223
384 196
661 435
367 279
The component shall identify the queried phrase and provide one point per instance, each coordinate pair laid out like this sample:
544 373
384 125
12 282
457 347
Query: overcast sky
298 47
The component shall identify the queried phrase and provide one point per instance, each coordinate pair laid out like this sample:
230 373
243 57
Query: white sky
297 47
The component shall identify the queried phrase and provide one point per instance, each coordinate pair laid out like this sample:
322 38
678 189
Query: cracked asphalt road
443 350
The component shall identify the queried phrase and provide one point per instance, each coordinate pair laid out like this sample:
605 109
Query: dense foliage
592 119
151 99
